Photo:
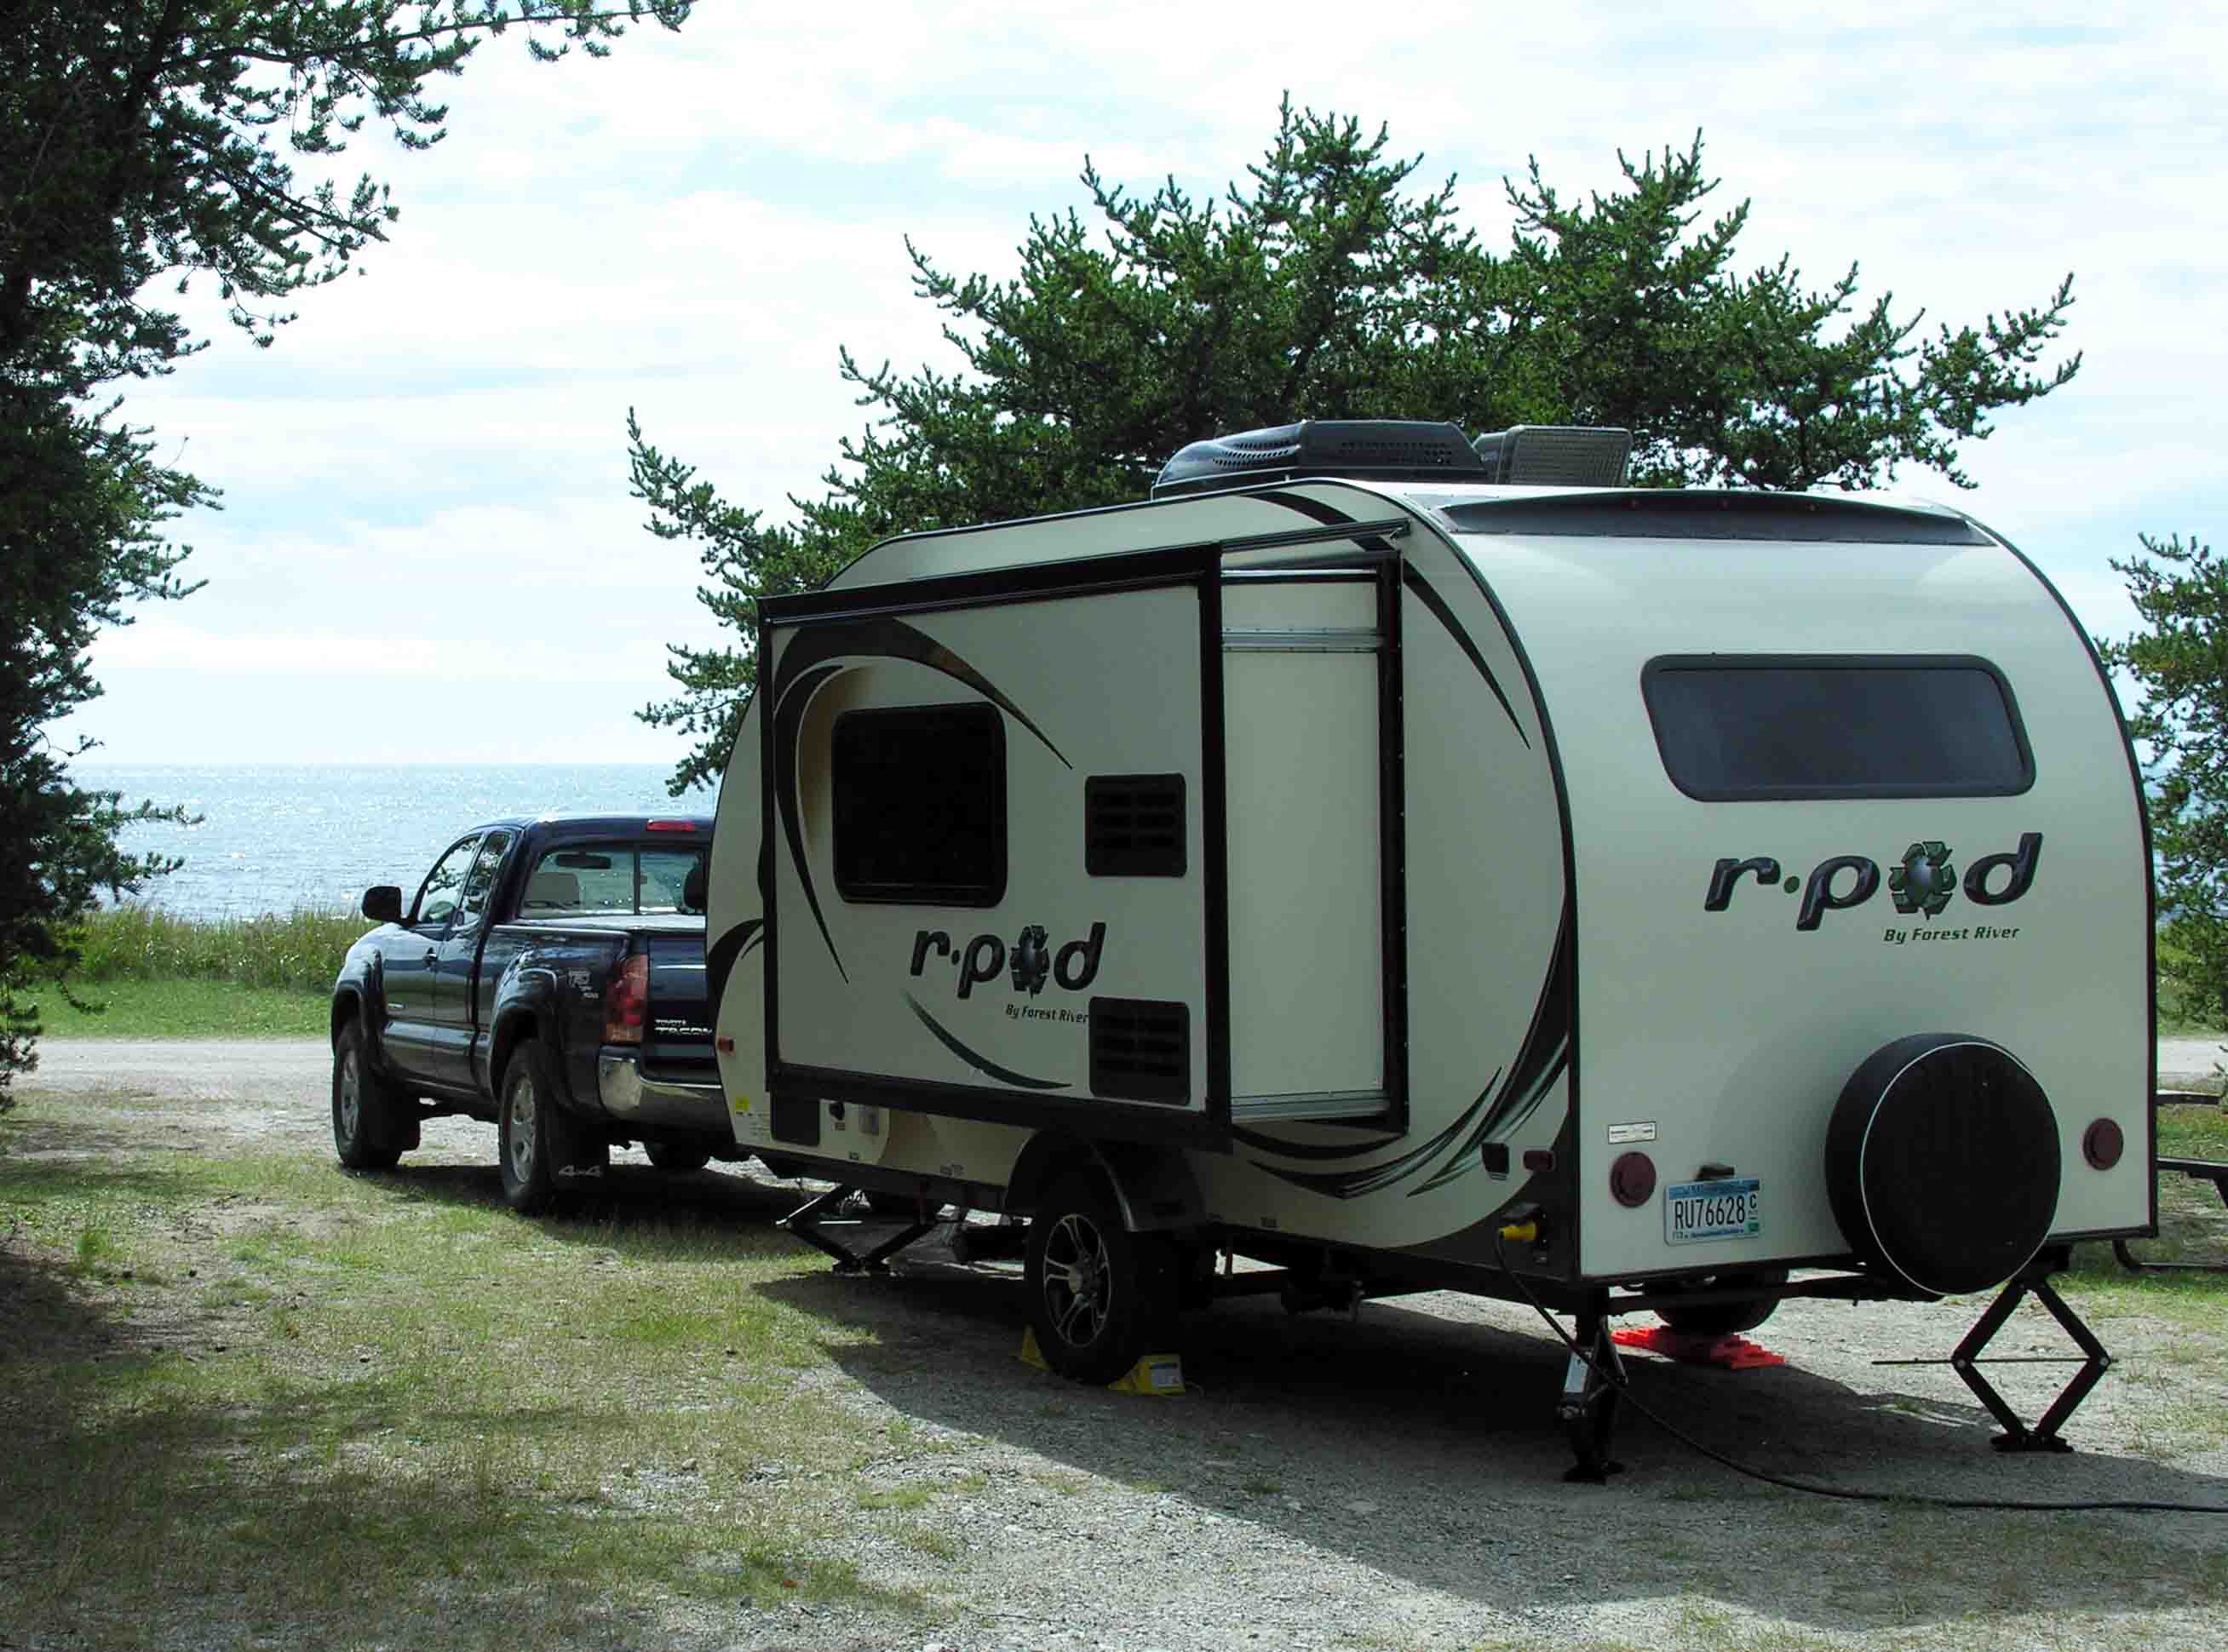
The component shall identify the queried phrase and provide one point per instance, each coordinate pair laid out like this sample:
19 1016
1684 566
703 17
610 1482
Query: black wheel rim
518 1132
1078 1280
347 1100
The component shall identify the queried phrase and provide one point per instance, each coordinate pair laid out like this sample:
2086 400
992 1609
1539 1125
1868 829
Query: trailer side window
1780 727
919 805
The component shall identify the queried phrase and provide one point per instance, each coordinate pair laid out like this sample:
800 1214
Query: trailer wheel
674 1159
1726 1318
1098 1293
367 1122
540 1146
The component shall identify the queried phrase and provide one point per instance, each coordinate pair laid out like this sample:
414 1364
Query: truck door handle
432 956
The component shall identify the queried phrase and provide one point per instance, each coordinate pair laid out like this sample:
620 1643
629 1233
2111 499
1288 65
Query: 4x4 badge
1926 881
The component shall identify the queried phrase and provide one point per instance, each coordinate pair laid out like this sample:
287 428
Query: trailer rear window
919 805
1753 728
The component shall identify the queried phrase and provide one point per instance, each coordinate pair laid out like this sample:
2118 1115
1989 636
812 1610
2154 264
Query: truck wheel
674 1159
368 1129
1098 1293
537 1141
1726 1318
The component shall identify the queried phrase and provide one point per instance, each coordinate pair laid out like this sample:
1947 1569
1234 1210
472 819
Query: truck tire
675 1159
540 1144
1726 1318
1097 1294
370 1129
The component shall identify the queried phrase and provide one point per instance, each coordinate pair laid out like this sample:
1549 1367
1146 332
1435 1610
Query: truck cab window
481 879
663 885
444 886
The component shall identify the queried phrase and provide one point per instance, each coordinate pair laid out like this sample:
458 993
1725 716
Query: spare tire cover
1941 1162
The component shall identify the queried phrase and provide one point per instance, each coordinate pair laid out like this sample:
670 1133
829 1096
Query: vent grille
1140 1050
1133 826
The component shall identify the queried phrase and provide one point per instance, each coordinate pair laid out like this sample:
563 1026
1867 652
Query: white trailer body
1350 870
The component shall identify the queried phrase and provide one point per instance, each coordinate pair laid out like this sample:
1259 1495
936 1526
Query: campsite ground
250 1399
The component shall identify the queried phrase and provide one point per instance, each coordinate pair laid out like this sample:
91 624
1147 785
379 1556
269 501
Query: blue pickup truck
547 977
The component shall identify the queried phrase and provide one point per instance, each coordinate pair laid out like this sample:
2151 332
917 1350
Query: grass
186 1009
150 974
301 950
260 1398
2192 1227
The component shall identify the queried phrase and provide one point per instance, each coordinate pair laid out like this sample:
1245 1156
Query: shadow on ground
1305 1426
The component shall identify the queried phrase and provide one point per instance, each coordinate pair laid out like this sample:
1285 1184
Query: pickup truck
546 977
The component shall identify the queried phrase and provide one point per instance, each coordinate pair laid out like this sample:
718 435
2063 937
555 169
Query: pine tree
142 140
1325 285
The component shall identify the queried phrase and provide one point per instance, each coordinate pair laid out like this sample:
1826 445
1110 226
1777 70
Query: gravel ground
1396 1482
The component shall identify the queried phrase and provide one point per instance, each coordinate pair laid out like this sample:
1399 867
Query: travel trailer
1417 863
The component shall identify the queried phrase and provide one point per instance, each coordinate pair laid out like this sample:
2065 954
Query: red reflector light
671 826
2102 1144
626 1001
1539 1158
726 1044
1632 1180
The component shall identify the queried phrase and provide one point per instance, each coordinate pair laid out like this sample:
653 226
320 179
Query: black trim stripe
1375 1178
1421 587
789 704
885 637
1567 947
1316 1152
724 953
982 1064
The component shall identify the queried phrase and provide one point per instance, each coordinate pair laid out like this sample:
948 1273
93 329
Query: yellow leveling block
1157 1376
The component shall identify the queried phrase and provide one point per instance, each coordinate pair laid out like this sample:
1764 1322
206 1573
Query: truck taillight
626 1001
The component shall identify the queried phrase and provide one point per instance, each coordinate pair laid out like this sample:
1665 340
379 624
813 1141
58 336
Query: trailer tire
675 1159
536 1139
1726 1318
1098 1294
1942 1162
369 1125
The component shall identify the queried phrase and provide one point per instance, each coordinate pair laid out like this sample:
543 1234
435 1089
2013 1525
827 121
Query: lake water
278 836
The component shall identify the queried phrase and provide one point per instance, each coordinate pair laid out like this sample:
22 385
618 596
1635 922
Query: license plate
1693 1211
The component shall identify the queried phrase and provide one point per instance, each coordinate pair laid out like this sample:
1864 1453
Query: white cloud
426 477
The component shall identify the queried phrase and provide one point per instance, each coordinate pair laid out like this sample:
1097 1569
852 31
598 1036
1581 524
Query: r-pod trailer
1417 863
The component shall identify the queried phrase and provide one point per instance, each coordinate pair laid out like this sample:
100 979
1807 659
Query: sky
427 552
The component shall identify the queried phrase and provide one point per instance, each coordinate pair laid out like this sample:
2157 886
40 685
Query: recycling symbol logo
1926 881
1032 960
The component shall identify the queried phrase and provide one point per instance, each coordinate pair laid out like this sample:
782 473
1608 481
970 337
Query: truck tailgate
677 1039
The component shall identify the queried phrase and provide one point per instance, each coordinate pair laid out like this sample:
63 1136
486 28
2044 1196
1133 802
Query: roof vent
1556 456
1384 450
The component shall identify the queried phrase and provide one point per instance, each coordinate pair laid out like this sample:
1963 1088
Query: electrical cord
1847 1494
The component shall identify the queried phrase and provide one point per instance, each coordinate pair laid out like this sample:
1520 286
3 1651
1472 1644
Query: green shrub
302 949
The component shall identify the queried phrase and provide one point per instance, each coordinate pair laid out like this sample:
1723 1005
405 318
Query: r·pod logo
1074 967
1921 883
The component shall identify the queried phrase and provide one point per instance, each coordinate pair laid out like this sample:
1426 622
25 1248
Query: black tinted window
921 805
1776 727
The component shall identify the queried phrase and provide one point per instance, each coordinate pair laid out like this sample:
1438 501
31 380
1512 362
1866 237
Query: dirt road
1395 1482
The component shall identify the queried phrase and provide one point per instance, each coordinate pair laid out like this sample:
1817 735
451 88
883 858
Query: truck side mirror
383 904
